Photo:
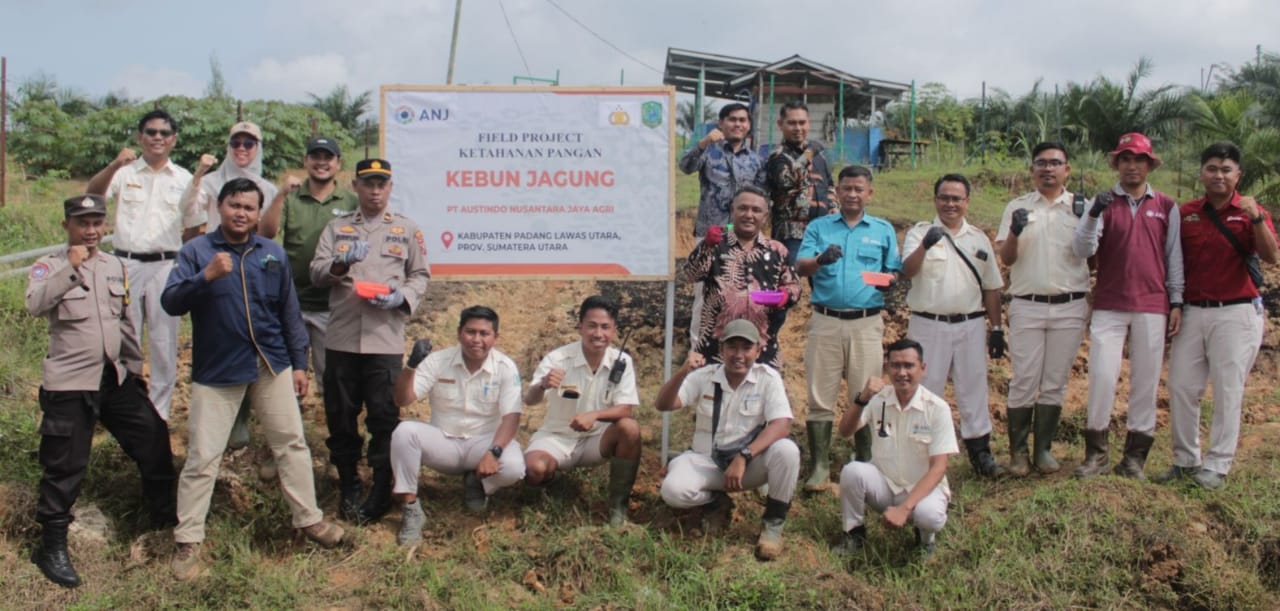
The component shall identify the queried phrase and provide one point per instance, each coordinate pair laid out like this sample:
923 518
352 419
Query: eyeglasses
949 199
247 143
153 132
1048 163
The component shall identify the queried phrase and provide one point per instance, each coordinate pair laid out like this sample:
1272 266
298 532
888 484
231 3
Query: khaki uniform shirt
758 400
594 387
465 404
1046 264
945 285
149 213
913 433
88 317
397 257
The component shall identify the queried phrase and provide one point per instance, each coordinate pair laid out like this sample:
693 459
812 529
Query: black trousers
353 381
66 437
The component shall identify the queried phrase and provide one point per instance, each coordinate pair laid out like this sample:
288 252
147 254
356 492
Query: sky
285 49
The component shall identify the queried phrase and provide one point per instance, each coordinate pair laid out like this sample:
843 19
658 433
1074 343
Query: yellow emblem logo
347 229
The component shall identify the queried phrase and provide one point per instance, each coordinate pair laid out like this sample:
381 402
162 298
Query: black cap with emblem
84 204
373 168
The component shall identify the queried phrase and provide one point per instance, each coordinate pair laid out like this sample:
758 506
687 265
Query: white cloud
292 79
147 82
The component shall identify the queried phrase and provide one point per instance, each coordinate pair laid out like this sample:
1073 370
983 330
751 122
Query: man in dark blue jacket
248 337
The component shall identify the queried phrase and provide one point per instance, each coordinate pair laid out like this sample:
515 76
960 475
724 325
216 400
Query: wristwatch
496 451
1258 219
859 402
747 453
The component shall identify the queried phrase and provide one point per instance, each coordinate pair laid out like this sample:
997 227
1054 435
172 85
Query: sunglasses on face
153 132
246 143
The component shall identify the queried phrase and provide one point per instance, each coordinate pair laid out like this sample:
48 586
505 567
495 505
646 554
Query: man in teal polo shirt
846 331
309 205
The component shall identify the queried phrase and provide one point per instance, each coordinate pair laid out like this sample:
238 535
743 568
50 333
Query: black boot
1019 430
1047 417
349 486
980 457
1136 447
52 557
1095 454
378 503
162 503
622 477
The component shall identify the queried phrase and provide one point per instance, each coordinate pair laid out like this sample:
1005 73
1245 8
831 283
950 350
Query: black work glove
931 238
1021 217
888 287
830 255
995 343
421 349
1099 204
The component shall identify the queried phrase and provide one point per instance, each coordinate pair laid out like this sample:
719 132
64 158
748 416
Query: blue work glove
358 251
390 301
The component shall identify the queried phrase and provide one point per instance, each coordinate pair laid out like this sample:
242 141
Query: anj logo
651 114
404 115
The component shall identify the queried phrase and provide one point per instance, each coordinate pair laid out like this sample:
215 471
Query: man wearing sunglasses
955 286
912 437
149 227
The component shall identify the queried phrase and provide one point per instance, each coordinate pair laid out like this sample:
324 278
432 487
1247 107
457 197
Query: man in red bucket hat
1133 231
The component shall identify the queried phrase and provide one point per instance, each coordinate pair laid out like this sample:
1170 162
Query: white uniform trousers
1216 344
155 327
692 477
862 484
1044 339
418 444
1107 332
959 349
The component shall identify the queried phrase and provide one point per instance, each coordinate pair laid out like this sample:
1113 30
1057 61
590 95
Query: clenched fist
218 267
1021 217
77 254
830 255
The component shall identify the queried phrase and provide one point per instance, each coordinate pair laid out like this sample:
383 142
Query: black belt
950 317
1220 304
845 314
147 257
1059 298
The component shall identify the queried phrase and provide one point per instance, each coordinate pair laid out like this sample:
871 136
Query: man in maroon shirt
1134 232
1223 323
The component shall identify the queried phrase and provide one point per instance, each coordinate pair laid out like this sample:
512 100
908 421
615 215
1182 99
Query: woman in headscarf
243 160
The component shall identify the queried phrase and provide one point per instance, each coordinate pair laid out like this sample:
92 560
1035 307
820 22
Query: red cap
1137 144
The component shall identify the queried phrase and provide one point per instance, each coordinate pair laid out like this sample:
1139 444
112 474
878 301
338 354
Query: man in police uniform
149 228
740 436
955 285
302 210
1047 313
364 343
474 392
588 417
906 479
91 372
846 332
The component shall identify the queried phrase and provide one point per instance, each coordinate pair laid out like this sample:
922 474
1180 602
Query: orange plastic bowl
877 278
369 290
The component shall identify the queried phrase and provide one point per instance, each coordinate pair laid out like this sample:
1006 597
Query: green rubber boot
819 456
1047 417
622 477
1019 429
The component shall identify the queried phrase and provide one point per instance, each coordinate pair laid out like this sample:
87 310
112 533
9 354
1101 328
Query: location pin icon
447 238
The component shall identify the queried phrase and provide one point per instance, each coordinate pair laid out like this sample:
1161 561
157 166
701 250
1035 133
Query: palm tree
1236 116
341 107
686 117
1104 110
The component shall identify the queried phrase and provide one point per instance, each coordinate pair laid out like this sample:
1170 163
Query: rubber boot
980 457
52 557
862 444
852 542
622 477
717 514
819 456
1046 425
1095 454
1019 429
349 486
162 503
769 544
474 500
412 519
1136 447
378 503
240 429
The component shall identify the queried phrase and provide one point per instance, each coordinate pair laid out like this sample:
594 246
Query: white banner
535 181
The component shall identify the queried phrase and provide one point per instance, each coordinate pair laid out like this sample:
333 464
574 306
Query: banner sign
535 182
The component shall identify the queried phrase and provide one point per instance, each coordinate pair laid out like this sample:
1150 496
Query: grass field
1041 542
